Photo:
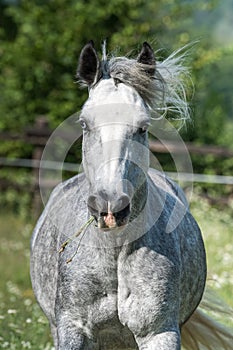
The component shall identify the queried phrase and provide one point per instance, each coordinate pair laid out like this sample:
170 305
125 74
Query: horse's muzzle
112 214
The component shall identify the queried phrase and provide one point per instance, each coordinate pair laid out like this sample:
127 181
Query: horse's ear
89 65
147 57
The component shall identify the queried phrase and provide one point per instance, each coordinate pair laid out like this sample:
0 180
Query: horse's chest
89 283
90 290
114 293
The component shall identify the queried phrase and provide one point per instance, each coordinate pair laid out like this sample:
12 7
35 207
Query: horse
117 259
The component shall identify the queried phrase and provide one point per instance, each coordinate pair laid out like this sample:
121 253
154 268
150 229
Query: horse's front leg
149 299
70 337
167 340
73 340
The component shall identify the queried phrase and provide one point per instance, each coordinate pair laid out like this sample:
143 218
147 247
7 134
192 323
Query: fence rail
156 146
39 134
73 167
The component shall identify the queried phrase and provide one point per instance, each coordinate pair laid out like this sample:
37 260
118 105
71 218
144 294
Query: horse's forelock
165 92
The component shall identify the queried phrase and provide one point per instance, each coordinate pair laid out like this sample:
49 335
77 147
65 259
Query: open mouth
109 221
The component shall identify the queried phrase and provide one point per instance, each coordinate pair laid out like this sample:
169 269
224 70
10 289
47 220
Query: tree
39 59
41 41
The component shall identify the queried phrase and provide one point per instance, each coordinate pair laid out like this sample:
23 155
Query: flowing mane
165 93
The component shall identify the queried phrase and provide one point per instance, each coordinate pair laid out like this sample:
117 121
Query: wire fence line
72 167
37 135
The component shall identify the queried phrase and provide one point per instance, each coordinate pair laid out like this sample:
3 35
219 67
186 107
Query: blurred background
39 50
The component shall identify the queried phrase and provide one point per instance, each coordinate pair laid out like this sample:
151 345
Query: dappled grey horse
117 260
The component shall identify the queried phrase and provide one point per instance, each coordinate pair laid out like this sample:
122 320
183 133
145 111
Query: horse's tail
202 332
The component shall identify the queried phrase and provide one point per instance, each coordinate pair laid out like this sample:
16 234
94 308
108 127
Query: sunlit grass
217 230
23 325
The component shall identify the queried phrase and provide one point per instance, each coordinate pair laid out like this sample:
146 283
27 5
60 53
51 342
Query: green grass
22 324
217 229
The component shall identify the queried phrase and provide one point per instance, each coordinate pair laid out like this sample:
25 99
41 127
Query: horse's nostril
103 214
95 205
122 213
121 204
109 213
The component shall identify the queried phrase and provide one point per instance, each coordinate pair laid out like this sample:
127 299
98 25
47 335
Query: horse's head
114 119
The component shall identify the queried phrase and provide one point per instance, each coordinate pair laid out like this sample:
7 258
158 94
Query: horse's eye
83 124
143 129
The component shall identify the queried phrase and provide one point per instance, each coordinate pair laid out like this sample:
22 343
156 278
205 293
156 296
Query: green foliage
38 62
41 41
213 105
17 198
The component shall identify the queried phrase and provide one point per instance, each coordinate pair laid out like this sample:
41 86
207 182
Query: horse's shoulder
64 187
65 198
165 183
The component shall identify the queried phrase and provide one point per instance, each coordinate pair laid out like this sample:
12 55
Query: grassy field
22 324
217 229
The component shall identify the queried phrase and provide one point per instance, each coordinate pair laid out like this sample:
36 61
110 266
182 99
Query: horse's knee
168 340
70 338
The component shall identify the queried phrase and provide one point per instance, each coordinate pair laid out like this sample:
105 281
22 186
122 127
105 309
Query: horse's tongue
110 220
